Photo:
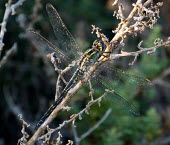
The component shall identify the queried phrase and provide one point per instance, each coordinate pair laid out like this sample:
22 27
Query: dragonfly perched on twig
66 41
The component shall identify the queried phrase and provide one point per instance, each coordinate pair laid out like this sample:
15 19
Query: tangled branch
75 116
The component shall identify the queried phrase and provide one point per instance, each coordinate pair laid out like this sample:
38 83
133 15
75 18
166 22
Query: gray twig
8 54
10 9
73 117
87 133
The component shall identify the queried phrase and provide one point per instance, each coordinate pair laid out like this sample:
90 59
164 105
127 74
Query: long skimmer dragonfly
66 41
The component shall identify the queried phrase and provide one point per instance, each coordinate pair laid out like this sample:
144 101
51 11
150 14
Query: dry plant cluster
143 15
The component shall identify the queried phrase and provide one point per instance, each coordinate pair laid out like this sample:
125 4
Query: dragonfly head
99 45
97 50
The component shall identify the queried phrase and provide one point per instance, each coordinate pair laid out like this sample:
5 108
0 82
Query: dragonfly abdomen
71 83
49 111
75 78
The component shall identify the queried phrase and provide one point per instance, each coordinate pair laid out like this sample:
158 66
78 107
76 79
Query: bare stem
73 117
88 132
10 9
8 54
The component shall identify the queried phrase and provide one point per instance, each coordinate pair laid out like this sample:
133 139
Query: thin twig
10 52
73 117
10 9
136 53
87 133
25 136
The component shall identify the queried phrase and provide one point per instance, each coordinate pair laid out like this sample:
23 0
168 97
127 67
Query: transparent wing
64 38
112 96
123 102
110 73
108 77
44 46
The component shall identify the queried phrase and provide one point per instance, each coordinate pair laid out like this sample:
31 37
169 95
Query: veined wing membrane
123 102
64 38
105 78
44 46
112 96
111 73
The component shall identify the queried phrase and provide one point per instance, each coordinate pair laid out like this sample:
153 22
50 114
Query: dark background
27 82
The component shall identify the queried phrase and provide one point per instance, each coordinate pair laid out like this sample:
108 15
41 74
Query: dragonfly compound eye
95 43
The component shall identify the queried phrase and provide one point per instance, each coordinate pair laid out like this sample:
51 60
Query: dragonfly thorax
99 45
93 54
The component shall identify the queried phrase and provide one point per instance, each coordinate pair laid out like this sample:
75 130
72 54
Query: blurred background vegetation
27 82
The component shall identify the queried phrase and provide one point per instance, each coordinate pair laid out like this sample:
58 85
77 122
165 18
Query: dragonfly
68 49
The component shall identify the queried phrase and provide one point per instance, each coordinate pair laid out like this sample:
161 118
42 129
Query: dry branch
10 10
75 116
23 139
88 132
8 54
